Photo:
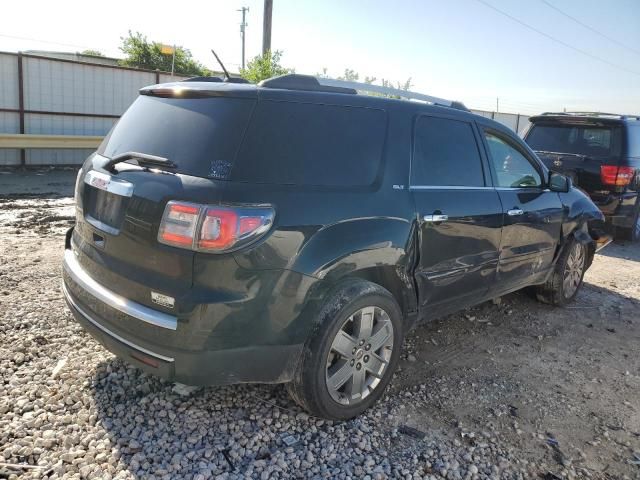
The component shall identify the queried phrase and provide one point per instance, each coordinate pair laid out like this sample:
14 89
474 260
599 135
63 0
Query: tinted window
445 154
512 168
200 135
580 139
311 144
633 141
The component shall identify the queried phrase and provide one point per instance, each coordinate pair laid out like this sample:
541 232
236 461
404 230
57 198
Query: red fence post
23 152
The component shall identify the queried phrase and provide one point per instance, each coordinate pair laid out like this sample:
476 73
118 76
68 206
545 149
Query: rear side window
445 153
201 136
590 140
309 144
633 141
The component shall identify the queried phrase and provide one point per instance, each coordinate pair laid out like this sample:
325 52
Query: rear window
311 144
590 140
200 135
445 153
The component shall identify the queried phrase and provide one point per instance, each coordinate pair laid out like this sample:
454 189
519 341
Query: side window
512 168
445 153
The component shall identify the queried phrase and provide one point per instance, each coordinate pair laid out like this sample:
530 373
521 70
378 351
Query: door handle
436 218
514 212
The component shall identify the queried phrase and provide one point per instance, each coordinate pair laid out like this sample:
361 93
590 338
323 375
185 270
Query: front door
460 216
532 213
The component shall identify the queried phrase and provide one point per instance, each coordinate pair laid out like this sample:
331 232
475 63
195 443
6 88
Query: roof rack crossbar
367 87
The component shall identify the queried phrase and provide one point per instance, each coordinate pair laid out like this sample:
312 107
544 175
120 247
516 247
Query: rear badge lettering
163 300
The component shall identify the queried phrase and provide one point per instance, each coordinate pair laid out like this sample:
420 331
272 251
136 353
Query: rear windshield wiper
142 159
561 153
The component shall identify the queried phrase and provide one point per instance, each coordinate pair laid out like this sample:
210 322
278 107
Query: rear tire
352 353
566 279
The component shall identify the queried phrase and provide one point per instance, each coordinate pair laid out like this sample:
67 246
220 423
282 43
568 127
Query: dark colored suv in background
293 232
601 154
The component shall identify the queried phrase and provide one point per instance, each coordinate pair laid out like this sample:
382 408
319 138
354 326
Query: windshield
590 140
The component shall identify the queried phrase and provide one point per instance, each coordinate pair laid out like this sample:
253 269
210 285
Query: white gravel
70 407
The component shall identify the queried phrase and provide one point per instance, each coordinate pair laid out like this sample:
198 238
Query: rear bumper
93 305
618 209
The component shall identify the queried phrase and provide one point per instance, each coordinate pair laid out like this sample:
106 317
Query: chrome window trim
109 332
108 183
522 189
447 187
120 303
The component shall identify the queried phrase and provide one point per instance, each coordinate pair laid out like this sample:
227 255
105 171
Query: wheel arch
379 250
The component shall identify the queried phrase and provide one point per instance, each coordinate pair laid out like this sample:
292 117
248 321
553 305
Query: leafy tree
351 75
264 66
95 53
142 53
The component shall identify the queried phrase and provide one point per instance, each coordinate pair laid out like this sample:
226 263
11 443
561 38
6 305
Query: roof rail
308 82
368 87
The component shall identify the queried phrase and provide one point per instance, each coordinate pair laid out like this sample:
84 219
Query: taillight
616 176
212 228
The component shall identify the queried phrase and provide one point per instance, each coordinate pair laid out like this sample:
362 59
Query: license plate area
106 200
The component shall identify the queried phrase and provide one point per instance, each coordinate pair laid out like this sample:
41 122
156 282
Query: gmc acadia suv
294 232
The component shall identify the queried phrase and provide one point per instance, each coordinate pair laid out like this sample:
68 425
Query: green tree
142 53
351 75
264 66
95 53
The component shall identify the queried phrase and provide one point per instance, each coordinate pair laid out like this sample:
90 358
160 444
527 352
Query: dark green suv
294 232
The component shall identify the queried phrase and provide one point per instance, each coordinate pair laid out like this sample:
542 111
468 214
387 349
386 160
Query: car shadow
208 431
623 250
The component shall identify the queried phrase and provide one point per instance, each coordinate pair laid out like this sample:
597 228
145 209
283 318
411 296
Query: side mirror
558 182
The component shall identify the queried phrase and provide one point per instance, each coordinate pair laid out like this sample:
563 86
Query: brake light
211 228
616 176
179 224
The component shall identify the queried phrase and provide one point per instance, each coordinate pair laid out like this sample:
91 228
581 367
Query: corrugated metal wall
514 121
73 98
9 121
65 98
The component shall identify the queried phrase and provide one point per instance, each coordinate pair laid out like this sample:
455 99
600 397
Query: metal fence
42 95
51 96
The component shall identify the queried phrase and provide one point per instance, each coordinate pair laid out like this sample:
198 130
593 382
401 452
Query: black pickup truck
600 152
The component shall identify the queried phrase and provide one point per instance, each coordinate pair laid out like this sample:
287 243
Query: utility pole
243 25
497 105
266 26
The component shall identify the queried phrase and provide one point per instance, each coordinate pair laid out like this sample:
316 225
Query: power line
44 41
588 27
557 40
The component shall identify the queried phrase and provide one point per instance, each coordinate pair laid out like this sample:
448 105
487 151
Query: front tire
566 279
352 353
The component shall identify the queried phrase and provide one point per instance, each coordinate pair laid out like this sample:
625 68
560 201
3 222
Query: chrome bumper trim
109 332
120 303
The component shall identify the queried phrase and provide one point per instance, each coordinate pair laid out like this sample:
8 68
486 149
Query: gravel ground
511 389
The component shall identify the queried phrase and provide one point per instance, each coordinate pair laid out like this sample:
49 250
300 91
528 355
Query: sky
458 49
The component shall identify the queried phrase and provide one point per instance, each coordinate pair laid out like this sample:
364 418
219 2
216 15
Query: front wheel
566 279
352 353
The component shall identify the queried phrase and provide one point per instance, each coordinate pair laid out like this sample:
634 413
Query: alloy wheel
359 355
573 270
